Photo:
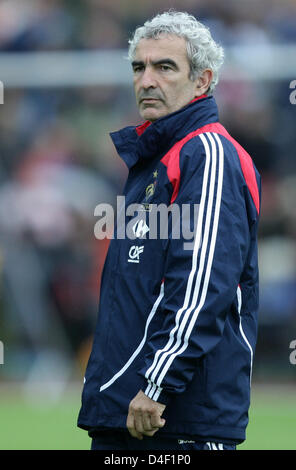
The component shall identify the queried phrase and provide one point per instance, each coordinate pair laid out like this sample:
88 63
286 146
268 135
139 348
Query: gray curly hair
203 52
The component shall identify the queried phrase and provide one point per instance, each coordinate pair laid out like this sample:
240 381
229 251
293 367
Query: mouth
149 100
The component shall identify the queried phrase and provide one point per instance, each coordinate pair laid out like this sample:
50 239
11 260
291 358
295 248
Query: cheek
137 85
175 96
185 92
136 88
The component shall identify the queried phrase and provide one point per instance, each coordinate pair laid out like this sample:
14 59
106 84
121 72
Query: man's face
161 76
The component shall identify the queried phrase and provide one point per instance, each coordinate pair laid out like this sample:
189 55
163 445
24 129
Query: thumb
157 420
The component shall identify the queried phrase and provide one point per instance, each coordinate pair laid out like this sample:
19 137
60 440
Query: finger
130 424
136 434
146 419
138 422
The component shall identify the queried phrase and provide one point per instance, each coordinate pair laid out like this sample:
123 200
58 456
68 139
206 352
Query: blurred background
67 84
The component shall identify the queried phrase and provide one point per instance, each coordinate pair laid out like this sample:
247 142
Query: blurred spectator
34 24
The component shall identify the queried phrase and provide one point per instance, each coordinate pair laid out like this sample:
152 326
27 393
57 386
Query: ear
203 82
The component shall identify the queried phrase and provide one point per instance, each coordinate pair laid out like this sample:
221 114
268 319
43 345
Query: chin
151 114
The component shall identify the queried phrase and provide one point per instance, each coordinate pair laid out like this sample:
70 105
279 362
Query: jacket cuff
157 393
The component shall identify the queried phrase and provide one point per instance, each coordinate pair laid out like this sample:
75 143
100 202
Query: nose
148 78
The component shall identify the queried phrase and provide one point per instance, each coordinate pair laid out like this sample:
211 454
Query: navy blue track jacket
179 322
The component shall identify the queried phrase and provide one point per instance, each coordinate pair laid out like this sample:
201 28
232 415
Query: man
172 356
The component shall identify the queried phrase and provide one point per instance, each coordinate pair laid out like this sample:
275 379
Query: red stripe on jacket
172 161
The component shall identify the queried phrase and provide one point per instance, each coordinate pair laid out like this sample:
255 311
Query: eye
165 68
138 68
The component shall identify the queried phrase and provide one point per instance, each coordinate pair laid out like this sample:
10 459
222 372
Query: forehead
166 46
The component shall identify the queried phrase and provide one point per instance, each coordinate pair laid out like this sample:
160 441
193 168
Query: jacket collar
151 139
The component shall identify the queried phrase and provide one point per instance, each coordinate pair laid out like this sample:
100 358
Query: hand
144 416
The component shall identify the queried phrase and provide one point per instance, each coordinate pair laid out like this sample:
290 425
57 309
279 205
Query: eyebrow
157 62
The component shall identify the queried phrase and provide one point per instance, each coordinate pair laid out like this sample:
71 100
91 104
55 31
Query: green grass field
28 426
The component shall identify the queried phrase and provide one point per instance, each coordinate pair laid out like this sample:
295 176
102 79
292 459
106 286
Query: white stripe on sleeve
155 367
239 306
213 190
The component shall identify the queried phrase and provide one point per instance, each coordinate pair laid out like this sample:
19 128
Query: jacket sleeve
201 278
